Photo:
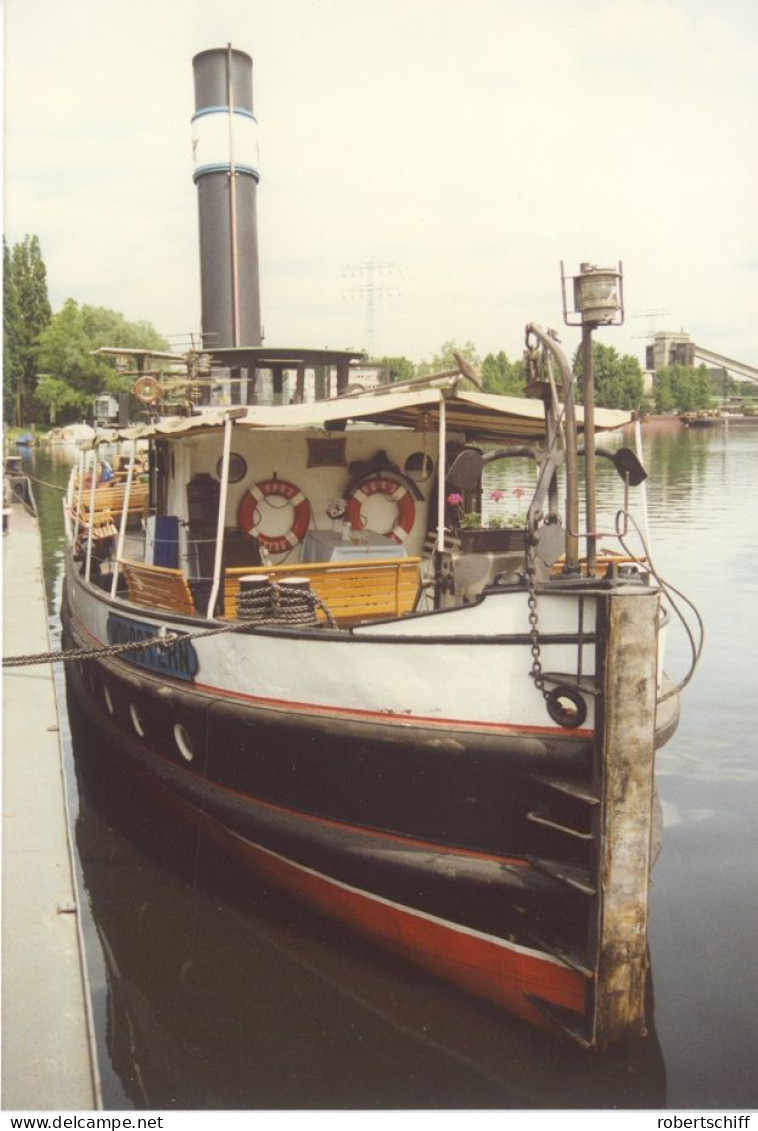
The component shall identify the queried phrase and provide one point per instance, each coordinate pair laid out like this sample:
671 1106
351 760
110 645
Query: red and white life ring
249 514
391 489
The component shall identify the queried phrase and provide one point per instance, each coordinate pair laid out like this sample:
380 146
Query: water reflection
221 994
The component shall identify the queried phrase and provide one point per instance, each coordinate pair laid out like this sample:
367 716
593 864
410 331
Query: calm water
211 992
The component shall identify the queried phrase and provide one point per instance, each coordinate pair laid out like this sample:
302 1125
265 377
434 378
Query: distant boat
69 436
703 418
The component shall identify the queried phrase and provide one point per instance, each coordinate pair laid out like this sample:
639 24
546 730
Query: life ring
391 489
249 516
147 390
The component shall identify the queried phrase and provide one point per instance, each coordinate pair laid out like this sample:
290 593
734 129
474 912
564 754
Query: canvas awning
479 417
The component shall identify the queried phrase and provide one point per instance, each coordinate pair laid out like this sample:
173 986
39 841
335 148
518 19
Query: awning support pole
124 514
91 525
221 517
441 476
643 485
77 516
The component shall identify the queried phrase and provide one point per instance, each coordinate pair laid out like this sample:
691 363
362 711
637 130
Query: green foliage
499 375
75 376
682 388
618 379
445 359
12 365
399 368
26 313
57 397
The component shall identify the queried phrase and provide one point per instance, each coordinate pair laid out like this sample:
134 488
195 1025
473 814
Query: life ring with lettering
249 517
147 390
391 489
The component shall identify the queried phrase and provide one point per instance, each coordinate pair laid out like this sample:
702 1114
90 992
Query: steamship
441 737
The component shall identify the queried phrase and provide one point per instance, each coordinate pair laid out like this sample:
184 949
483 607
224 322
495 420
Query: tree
663 394
703 387
27 313
445 359
499 375
73 376
12 367
618 379
399 368
682 388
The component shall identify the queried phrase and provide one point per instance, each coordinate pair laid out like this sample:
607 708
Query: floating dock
48 1060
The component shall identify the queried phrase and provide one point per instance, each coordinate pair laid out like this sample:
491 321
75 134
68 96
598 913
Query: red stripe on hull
483 966
472 726
495 970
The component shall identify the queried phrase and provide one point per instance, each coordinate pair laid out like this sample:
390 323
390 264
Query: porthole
183 742
136 720
237 467
108 699
419 466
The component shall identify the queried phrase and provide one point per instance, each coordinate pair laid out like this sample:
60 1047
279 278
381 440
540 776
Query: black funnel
225 145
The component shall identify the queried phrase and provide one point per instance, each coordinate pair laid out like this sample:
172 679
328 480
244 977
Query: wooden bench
103 527
372 590
110 497
157 587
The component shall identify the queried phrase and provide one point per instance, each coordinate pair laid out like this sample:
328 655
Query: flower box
482 540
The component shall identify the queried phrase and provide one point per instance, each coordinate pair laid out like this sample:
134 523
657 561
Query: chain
534 630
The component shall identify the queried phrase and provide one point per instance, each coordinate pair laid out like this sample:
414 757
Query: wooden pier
48 1060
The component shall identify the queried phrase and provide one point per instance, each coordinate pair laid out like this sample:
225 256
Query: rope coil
291 602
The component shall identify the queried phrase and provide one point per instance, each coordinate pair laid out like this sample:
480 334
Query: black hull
471 854
182 1001
436 830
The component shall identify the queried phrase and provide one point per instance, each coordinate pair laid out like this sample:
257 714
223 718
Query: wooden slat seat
372 590
158 587
110 496
103 526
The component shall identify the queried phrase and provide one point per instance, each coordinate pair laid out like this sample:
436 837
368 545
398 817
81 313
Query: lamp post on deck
598 300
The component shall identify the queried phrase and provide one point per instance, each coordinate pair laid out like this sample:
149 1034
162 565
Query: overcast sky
469 146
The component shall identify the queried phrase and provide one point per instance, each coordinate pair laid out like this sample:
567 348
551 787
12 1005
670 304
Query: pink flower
497 495
518 492
455 499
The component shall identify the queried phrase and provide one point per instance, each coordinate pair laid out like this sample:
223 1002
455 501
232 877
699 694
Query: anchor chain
564 704
534 626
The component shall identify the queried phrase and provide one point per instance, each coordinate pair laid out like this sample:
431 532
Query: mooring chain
534 629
